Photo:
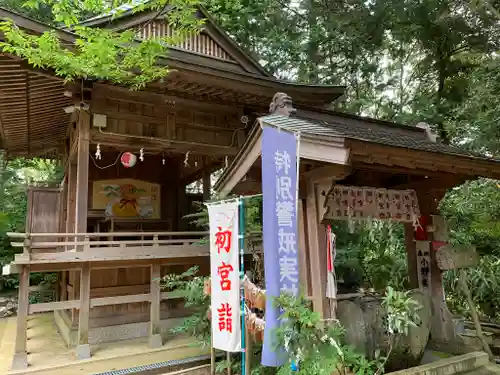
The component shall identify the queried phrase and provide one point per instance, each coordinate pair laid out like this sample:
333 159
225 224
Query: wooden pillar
304 267
83 348
442 326
71 201
207 185
317 250
82 174
20 360
411 255
155 340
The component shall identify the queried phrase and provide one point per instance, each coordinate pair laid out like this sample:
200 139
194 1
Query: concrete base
112 333
155 341
20 361
83 351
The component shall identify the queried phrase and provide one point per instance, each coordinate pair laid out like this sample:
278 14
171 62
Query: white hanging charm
98 152
186 164
163 159
141 154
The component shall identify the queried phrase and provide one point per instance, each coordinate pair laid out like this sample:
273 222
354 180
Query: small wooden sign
453 257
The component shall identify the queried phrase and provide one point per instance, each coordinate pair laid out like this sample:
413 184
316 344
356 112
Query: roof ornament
431 136
281 105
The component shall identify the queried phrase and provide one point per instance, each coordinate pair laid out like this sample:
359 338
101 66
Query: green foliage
371 254
484 282
473 213
402 312
319 348
191 288
399 60
15 175
101 53
43 13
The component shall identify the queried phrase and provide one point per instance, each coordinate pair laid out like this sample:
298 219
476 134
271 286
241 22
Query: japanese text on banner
279 187
225 276
286 220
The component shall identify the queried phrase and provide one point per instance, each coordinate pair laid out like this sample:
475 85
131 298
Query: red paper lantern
128 159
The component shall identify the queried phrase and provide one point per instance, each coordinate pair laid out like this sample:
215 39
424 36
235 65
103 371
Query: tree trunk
475 318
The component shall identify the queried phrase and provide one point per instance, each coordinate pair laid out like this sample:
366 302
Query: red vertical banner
225 276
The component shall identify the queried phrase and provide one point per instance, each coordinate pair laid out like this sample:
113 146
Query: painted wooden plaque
127 198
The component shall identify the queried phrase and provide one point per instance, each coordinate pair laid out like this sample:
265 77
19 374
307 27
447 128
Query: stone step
475 363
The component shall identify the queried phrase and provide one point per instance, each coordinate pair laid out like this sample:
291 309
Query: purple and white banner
281 263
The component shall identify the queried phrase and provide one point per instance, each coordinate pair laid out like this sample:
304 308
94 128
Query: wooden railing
94 246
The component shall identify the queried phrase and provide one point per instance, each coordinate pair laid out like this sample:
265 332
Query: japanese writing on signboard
279 187
225 273
353 202
423 264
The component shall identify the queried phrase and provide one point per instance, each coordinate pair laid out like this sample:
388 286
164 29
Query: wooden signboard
127 198
453 257
353 202
423 265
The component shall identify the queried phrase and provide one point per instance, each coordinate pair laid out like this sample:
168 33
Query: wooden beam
155 340
82 177
328 172
53 306
71 201
304 265
328 151
411 255
101 254
83 348
20 360
121 141
207 185
249 154
106 264
439 182
119 300
365 152
317 251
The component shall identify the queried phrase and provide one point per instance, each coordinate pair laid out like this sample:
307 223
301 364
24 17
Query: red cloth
421 231
329 247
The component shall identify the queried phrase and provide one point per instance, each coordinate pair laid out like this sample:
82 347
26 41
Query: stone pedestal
20 361
155 341
83 351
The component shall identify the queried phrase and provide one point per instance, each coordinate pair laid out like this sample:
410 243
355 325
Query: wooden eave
31 110
366 153
443 170
317 148
32 120
129 19
316 96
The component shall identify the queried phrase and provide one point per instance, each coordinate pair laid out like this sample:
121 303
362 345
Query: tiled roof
374 132
122 8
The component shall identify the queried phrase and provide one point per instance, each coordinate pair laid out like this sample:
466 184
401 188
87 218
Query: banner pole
242 288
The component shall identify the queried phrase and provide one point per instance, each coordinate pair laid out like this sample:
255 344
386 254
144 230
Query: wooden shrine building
111 231
345 160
